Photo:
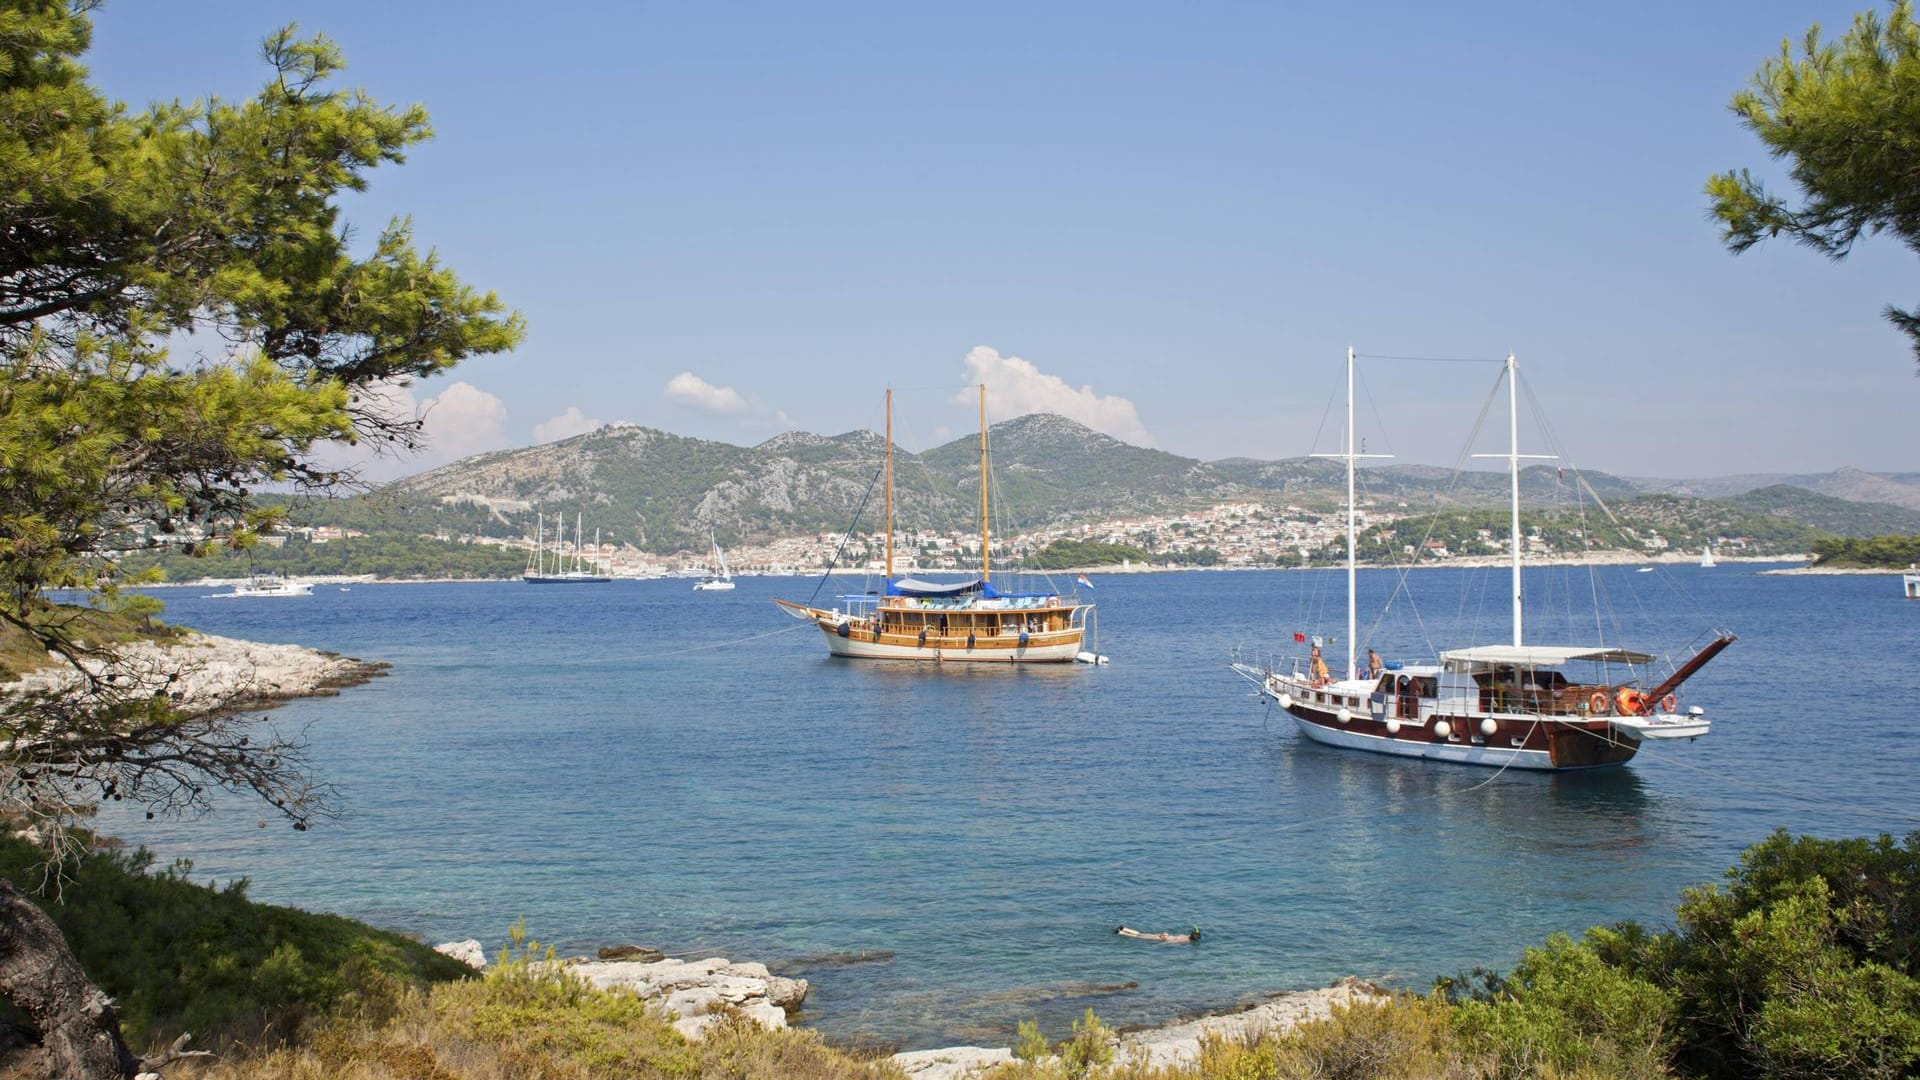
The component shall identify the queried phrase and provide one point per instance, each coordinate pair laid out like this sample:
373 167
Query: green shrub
1566 1011
178 957
1401 1038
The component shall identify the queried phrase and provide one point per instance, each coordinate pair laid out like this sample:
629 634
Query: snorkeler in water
1177 939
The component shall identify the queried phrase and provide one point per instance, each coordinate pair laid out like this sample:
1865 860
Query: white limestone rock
692 1002
1179 1044
786 993
769 1016
951 1062
694 1028
469 952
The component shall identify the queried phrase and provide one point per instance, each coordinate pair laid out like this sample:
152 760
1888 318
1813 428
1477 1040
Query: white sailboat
721 582
1707 560
1507 705
564 569
1910 582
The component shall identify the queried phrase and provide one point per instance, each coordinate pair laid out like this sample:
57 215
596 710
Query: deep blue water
580 757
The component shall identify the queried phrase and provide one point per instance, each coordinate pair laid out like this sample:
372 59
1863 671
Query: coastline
206 672
1603 558
697 992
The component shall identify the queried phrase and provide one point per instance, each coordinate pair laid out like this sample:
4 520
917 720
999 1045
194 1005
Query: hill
661 492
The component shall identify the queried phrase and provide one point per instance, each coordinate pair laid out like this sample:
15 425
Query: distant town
1227 535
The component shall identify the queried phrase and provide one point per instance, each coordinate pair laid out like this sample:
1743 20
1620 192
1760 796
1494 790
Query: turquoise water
581 758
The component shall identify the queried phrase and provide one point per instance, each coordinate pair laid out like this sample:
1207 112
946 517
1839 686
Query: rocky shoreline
206 672
698 992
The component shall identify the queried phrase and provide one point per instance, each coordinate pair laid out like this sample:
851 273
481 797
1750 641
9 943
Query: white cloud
459 421
1015 387
687 388
462 420
565 426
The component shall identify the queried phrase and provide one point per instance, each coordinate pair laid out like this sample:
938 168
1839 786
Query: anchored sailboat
966 621
561 569
1506 705
721 582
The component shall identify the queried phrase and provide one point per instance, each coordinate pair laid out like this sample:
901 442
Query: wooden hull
1548 746
857 640
1516 741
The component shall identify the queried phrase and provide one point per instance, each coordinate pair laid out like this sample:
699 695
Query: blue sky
729 220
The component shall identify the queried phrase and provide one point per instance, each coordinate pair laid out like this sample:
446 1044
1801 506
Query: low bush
182 957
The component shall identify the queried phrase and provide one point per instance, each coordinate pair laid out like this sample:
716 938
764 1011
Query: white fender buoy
1286 701
1488 727
1442 728
1345 715
1393 727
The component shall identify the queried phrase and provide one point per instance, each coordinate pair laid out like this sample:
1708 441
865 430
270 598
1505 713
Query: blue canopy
910 587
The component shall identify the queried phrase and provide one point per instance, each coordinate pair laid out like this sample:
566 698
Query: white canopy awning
1539 656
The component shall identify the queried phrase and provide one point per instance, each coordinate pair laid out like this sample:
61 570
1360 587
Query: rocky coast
204 672
698 992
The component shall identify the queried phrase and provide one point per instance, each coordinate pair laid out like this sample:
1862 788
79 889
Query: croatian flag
1082 579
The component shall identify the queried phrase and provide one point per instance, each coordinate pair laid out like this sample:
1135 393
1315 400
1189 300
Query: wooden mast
985 575
889 485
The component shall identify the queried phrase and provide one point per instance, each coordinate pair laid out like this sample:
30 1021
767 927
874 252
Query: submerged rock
631 952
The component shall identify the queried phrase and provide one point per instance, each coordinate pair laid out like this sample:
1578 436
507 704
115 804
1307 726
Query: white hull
257 592
1063 648
713 586
1495 757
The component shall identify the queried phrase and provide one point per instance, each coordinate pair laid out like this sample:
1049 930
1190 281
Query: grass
20 653
183 957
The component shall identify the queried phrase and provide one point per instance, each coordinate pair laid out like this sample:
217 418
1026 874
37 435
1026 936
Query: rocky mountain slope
663 492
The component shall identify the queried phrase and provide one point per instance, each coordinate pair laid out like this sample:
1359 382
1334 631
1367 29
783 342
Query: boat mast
984 569
1353 594
1353 590
1513 469
579 556
889 486
1514 456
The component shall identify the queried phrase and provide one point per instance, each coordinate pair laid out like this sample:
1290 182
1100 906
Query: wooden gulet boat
1508 706
962 622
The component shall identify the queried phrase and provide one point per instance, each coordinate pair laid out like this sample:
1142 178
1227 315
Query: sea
944 851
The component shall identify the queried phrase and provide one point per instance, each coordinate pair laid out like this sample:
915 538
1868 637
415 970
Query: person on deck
1176 939
1317 667
1374 664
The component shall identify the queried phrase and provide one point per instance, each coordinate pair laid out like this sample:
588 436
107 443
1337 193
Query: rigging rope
845 540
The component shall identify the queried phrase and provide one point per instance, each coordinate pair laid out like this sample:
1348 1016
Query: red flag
1299 637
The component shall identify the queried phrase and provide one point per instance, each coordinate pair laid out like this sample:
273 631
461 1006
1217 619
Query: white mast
579 544
1513 456
539 541
1353 595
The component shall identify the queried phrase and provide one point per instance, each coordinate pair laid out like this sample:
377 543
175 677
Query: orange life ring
1598 702
1630 701
1669 704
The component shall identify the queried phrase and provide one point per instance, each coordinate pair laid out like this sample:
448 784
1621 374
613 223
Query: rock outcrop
206 672
696 992
1172 1044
